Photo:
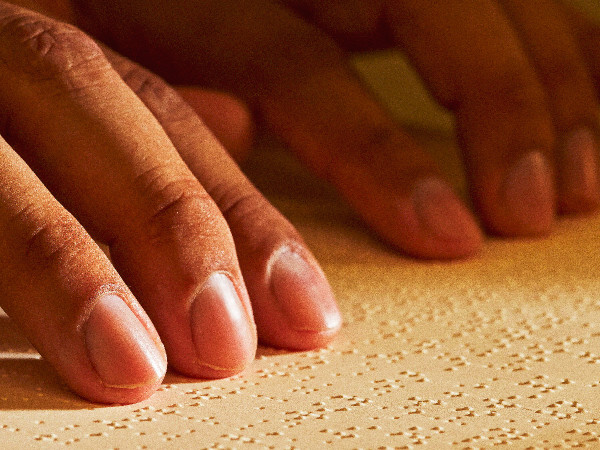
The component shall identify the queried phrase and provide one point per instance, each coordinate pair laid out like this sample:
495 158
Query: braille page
499 350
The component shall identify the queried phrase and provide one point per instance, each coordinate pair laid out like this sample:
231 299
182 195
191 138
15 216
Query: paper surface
503 349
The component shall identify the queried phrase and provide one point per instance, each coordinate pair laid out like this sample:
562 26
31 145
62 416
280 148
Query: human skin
519 76
95 146
134 164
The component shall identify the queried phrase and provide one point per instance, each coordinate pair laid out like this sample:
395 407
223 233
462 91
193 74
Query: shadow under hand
27 382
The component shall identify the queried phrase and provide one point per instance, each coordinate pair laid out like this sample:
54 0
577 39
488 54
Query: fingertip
578 204
446 224
128 361
120 348
119 396
579 186
526 198
302 292
223 331
431 222
304 314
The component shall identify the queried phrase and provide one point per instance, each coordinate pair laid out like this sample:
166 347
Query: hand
520 77
92 143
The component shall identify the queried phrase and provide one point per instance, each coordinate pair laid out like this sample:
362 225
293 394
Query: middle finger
480 71
550 43
110 163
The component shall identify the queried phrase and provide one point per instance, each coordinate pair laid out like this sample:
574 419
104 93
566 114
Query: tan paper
503 349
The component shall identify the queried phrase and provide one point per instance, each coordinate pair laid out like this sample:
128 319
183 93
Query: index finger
62 291
110 162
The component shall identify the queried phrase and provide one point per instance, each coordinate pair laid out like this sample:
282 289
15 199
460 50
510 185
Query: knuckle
44 49
247 211
373 140
156 93
50 243
364 147
145 84
513 90
236 202
571 92
178 207
560 71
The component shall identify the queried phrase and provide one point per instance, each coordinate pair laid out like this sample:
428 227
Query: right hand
92 143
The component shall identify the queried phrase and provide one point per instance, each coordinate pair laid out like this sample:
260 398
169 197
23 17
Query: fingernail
579 170
528 193
303 294
441 213
119 346
223 336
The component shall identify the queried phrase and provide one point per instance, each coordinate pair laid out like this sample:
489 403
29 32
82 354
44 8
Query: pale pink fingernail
441 213
303 294
528 194
223 335
580 166
119 346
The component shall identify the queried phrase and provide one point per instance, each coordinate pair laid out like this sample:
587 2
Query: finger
587 34
292 301
481 72
355 24
109 162
227 117
344 136
298 81
551 44
58 286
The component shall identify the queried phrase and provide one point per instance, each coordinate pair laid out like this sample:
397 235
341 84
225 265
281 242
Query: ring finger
552 48
110 163
480 71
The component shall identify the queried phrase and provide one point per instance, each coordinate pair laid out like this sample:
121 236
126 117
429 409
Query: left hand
520 76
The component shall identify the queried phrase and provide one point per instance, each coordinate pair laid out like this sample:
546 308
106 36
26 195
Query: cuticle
110 289
289 247
203 286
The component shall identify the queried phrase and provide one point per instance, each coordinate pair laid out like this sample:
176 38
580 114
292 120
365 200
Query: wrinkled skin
95 146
